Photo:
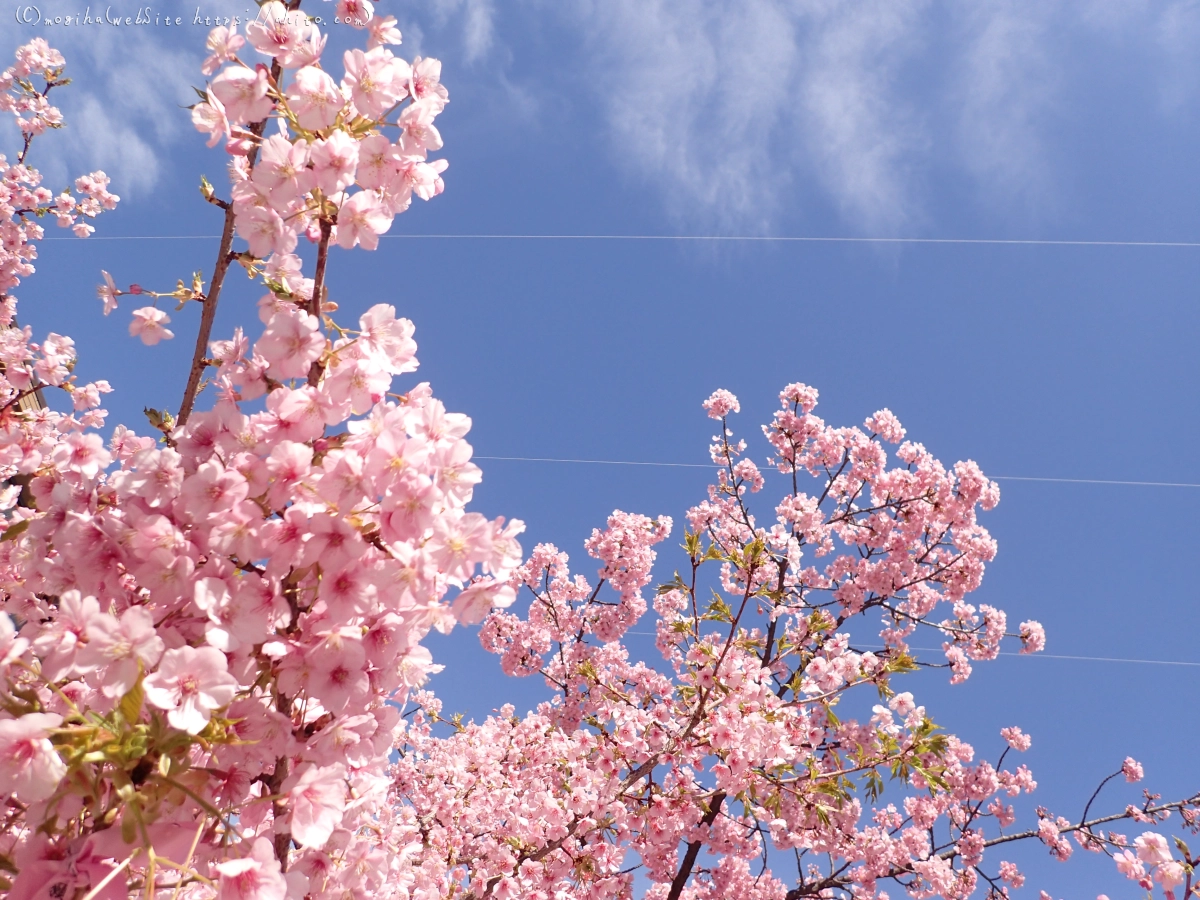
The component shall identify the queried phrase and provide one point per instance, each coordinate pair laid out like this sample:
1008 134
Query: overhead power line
1107 659
678 465
727 238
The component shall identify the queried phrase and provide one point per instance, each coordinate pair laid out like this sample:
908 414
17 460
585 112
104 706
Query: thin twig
317 299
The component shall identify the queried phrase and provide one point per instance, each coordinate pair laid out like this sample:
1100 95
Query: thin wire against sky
733 238
1107 659
748 239
679 465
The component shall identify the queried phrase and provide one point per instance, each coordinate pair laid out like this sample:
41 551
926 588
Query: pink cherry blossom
284 34
318 799
30 767
361 219
418 134
261 579
223 44
720 404
1132 769
427 81
242 93
1016 738
150 324
253 877
282 170
190 684
383 30
314 98
334 160
1152 848
108 293
376 80
116 647
291 343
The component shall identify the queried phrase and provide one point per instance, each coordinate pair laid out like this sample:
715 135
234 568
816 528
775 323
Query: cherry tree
207 633
210 637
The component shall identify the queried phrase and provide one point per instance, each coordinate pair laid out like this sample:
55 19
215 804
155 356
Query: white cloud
477 18
736 110
863 135
122 109
1003 90
1178 37
723 102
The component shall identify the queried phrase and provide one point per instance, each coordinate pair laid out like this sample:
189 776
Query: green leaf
13 532
128 828
131 704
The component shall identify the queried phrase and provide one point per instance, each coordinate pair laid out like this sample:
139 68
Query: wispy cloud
1003 87
122 109
1178 37
474 20
722 104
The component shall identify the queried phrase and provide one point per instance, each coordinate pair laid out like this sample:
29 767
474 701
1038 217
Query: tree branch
693 850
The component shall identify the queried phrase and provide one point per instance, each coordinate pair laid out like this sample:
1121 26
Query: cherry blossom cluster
333 136
206 636
211 669
23 200
339 159
706 770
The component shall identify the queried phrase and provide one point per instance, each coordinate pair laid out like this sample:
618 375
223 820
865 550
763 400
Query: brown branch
693 850
838 881
317 299
207 317
225 256
279 810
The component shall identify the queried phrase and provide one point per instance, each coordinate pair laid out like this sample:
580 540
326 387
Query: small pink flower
30 767
885 424
1171 875
1016 738
108 292
426 81
314 98
11 646
1129 865
418 133
720 404
1132 769
317 799
149 324
290 344
479 598
902 704
1033 637
255 877
334 160
243 94
117 646
1152 848
361 220
223 44
285 34
82 453
383 31
376 80
190 683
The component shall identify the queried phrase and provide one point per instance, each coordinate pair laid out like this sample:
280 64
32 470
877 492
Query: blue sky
1058 121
